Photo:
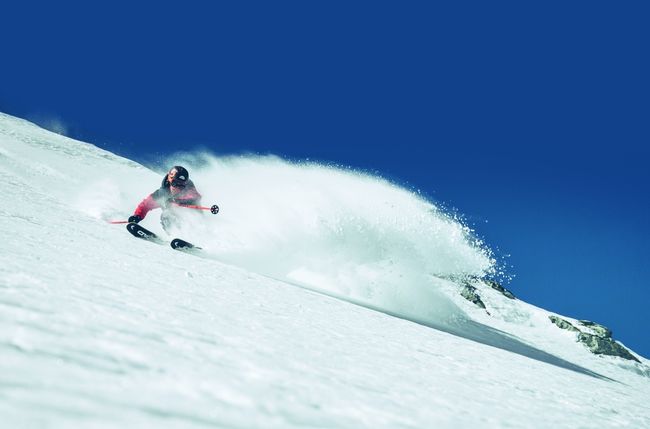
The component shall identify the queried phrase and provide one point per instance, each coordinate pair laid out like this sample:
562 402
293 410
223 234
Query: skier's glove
135 219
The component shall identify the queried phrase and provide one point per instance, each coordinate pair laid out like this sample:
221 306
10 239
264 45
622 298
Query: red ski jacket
164 196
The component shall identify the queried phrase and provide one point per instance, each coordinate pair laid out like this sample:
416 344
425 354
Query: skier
176 189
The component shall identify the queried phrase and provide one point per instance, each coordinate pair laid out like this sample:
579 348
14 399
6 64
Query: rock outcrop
563 324
469 293
596 328
496 286
597 338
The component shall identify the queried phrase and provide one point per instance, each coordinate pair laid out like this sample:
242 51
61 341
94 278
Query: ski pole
214 209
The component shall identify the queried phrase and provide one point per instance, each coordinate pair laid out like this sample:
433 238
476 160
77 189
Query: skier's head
178 177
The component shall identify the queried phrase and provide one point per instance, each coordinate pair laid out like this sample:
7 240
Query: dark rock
470 294
496 286
605 346
598 329
599 343
564 324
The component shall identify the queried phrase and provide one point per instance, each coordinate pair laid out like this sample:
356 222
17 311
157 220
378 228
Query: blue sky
529 119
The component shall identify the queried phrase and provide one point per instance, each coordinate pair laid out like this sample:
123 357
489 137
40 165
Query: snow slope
289 320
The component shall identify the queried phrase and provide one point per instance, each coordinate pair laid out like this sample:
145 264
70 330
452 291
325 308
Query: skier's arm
146 206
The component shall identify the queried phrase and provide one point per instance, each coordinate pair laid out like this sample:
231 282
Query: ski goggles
176 183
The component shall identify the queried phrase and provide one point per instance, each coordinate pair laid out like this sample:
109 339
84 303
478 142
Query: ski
143 233
179 244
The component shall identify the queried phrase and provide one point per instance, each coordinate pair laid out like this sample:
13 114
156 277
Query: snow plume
50 123
342 232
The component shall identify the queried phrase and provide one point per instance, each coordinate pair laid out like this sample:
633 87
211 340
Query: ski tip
177 243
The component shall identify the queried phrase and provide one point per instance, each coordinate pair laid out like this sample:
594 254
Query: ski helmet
181 177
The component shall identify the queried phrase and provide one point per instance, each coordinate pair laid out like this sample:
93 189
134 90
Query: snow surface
324 299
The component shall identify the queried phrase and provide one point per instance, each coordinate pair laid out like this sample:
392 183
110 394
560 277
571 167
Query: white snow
99 329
